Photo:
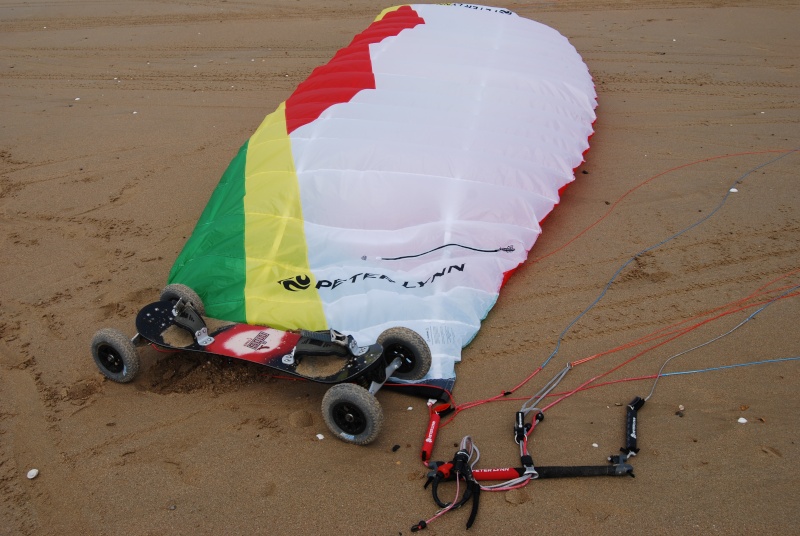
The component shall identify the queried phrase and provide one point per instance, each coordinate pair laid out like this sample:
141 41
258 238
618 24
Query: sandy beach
119 118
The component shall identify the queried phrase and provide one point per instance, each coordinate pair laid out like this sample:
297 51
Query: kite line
659 244
468 455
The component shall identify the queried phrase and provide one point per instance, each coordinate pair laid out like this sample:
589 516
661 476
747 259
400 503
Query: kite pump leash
462 466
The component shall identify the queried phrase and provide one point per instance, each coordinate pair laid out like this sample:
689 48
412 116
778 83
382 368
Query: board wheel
412 350
176 291
352 413
115 355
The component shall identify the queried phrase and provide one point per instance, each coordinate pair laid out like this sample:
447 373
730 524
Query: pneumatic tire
176 291
115 355
352 413
412 350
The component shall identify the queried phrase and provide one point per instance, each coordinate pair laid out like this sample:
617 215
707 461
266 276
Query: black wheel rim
349 418
407 358
110 359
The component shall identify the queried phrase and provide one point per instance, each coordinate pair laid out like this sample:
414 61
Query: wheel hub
349 418
111 360
398 350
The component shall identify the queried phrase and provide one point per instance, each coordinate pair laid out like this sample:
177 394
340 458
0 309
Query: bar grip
630 426
621 469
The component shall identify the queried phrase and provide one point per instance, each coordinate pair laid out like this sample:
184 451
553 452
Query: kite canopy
400 183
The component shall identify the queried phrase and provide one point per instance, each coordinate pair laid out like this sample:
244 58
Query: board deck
258 344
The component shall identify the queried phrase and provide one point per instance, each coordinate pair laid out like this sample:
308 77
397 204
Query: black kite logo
299 282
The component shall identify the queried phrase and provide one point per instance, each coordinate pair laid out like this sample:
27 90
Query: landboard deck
258 344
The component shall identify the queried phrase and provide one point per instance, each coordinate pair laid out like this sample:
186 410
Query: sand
118 119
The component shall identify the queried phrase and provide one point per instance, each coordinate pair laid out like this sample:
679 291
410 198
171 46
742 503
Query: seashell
33 473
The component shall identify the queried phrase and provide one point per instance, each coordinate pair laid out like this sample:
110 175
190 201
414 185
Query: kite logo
431 432
481 8
303 282
299 282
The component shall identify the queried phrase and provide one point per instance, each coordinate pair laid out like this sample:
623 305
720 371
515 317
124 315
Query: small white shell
320 437
33 473
734 190
595 445
409 408
681 408
742 420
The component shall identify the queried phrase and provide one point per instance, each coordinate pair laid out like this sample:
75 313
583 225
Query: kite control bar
555 471
460 468
447 472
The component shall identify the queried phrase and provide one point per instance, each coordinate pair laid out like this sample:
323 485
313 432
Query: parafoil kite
400 183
